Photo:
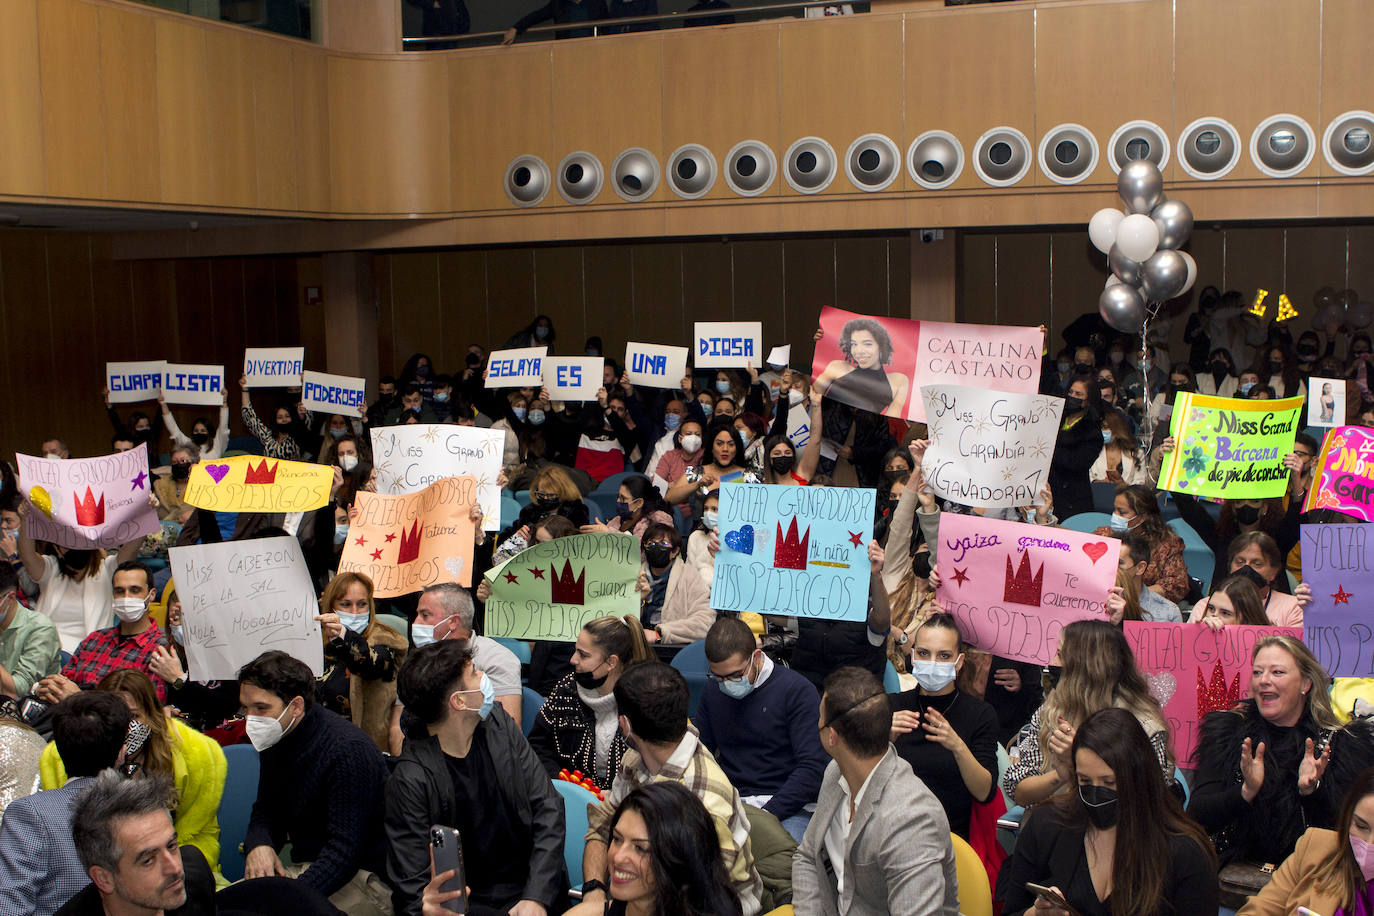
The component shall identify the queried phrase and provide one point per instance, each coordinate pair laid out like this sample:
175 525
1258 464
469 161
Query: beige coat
1294 884
687 613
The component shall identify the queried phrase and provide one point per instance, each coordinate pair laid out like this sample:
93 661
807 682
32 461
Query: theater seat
575 802
529 708
235 806
975 895
691 661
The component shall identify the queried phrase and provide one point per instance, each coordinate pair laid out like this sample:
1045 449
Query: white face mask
690 444
265 731
355 622
348 462
794 396
932 675
130 609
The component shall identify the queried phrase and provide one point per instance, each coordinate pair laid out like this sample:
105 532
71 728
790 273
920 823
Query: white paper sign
989 448
130 383
780 356
341 394
516 368
799 426
186 383
1325 401
273 367
240 599
725 344
655 365
573 378
413 456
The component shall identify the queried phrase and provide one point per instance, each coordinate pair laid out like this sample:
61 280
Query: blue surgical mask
1120 523
711 518
337 433
1063 368
541 332
706 410
738 688
1245 388
591 351
536 417
746 436
519 412
176 630
422 634
622 509
1106 436
723 387
441 397
340 535
355 622
932 675
672 421
488 696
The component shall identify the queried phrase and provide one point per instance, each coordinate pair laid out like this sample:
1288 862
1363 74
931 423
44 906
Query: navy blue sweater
767 743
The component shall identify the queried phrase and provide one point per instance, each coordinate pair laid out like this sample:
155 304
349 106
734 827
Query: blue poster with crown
551 590
796 551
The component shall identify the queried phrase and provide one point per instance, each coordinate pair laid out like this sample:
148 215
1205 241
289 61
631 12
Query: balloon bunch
1141 246
1341 307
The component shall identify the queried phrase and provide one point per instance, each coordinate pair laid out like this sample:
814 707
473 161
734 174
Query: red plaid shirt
104 651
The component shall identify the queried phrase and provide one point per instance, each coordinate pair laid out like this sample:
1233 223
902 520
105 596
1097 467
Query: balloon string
1147 419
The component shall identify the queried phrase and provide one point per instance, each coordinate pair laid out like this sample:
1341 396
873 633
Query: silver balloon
1175 222
1141 186
1122 307
1163 276
1361 315
1126 270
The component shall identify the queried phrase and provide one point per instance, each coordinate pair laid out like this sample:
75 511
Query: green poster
1230 447
551 590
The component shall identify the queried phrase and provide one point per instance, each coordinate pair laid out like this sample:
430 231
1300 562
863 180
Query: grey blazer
899 858
39 870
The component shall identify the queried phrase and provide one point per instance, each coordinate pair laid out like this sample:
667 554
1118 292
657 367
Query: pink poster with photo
879 364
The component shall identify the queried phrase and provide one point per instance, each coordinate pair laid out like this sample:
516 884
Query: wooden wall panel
501 106
707 290
21 151
1078 274
1361 272
231 321
1207 245
78 349
1314 256
977 278
184 113
1023 280
273 155
462 307
128 94
69 46
415 305
656 286
1347 29
195 304
757 289
29 325
559 293
1254 258
310 134
864 280
809 284
510 291
233 129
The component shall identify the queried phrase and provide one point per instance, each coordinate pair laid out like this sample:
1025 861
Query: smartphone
447 848
1050 895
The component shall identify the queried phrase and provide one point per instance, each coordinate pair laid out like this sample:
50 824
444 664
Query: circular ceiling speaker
1348 143
1209 148
1002 156
1282 145
691 171
872 162
1138 140
527 180
809 165
579 177
1068 154
750 168
635 174
935 159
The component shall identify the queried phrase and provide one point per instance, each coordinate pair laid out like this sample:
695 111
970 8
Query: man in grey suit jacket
879 841
39 867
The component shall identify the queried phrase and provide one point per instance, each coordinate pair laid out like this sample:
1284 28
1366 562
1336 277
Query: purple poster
88 502
1338 563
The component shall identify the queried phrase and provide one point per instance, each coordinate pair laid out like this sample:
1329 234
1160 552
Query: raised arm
811 455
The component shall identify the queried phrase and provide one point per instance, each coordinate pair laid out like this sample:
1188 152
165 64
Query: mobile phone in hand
447 849
1049 895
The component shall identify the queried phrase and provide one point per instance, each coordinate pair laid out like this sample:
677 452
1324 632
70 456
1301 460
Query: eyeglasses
737 676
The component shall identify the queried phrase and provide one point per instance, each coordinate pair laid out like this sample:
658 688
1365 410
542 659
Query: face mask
794 396
264 731
1120 523
544 500
1247 515
658 555
181 471
1063 368
745 436
933 676
1253 575
52 455
176 630
337 433
1219 367
782 464
414 411
1364 856
130 609
1245 388
723 387
519 412
706 410
142 431
541 332
591 351
587 680
200 438
1072 403
1275 366
441 397
340 535
1144 365
894 475
422 371
711 519
1101 804
473 359
1361 352
691 444
1050 675
737 690
488 696
74 560
348 462
355 622
671 422
536 417
622 509
422 634
1307 352
1179 387
1106 436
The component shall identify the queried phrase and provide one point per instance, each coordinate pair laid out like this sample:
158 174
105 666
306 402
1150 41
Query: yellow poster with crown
551 590
251 483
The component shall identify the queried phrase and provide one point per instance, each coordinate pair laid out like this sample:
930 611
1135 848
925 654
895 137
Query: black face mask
1100 801
1275 366
200 438
142 435
387 398
1072 403
75 560
1247 515
181 471
894 475
473 359
544 500
1219 367
1253 575
283 425
1307 353
658 555
1082 369
588 681
782 464
1180 388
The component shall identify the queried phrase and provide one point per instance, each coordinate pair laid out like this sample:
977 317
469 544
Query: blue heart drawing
741 541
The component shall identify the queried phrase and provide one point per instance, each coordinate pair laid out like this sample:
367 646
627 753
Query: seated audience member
826 645
208 446
131 643
637 506
160 745
578 727
413 408
170 489
39 868
29 647
879 841
361 656
704 541
284 438
759 720
1233 601
948 736
320 788
475 773
21 750
1256 556
675 605
1093 669
653 715
1120 461
1120 843
1135 560
1330 870
682 451
552 492
202 706
1278 762
722 462
1135 509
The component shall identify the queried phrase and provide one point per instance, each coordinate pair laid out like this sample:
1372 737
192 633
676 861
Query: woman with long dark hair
1077 446
1135 508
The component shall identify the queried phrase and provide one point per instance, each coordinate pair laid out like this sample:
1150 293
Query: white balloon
1102 228
1137 237
1192 273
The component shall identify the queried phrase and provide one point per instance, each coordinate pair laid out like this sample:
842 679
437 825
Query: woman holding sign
361 655
721 464
861 378
1077 446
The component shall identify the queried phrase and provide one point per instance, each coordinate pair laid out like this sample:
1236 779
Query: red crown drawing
1216 695
410 543
788 552
261 473
88 511
1022 588
564 589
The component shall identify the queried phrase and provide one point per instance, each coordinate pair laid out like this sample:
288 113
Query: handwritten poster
250 483
551 590
411 457
655 365
129 383
1338 563
88 502
725 344
330 394
273 367
240 599
573 378
989 448
1344 475
798 426
880 364
184 383
1013 587
1193 670
407 543
799 551
1229 447
1325 402
516 368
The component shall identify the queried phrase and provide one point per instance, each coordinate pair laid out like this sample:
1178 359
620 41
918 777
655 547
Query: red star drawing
1341 596
510 577
377 554
361 541
856 538
390 538
960 575
538 573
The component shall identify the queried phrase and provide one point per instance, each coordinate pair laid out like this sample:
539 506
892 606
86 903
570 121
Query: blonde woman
361 656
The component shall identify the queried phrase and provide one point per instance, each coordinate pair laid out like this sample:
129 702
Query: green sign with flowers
1230 447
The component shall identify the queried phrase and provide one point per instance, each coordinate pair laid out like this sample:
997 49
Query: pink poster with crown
1193 670
409 542
1013 586
88 502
